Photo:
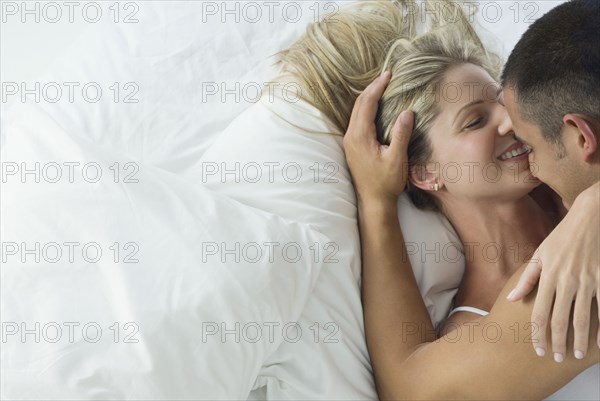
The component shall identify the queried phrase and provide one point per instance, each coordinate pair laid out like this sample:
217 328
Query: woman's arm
396 319
486 359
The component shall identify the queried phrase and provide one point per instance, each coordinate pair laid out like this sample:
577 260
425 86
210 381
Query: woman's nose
505 126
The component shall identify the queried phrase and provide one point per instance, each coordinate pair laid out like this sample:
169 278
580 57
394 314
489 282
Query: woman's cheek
532 166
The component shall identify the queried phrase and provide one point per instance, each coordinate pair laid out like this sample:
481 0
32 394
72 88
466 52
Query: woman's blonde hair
335 60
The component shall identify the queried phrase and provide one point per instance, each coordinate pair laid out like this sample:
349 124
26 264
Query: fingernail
540 351
511 294
578 354
558 357
385 72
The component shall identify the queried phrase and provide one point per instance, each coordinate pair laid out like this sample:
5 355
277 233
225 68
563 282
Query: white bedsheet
124 281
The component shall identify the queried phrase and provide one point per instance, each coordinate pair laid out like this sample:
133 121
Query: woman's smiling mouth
514 153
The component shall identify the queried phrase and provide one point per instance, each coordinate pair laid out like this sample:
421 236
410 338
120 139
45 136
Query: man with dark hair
551 91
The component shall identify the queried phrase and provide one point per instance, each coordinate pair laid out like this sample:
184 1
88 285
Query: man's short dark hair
555 67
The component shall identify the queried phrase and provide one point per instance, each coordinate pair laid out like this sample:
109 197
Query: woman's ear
587 136
425 177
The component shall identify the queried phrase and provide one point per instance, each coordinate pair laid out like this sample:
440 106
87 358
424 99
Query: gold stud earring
435 187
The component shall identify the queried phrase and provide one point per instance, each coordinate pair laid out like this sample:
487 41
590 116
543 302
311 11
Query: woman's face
474 150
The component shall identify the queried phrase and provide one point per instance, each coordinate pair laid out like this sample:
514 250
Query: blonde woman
336 60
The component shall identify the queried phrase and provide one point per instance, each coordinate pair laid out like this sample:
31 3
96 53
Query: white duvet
141 285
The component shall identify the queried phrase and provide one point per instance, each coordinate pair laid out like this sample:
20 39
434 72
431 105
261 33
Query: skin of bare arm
567 273
488 359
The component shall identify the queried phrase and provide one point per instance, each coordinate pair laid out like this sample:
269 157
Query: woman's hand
567 265
379 171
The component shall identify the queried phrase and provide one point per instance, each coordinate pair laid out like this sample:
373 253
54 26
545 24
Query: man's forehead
509 100
523 128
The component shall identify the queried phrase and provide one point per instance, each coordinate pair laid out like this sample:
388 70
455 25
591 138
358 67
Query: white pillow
436 256
283 156
161 289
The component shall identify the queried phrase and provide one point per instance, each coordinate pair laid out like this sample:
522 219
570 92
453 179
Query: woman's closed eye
474 123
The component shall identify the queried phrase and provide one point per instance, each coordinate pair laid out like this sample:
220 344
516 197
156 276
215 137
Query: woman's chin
511 190
525 186
520 174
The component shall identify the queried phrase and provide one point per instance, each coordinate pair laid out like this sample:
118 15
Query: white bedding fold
178 271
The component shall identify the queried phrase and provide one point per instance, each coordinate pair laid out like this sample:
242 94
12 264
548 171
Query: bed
158 245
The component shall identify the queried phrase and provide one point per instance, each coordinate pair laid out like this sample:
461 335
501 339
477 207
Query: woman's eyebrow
464 108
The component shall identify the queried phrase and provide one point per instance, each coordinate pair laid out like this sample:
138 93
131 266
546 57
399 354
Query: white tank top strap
468 309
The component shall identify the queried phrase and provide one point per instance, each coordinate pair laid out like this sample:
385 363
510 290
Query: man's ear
587 136
424 177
